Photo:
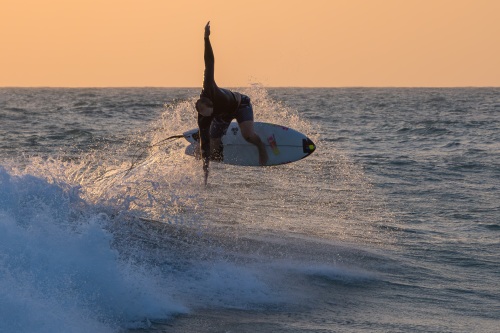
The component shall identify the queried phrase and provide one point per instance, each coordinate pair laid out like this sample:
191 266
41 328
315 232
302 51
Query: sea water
392 225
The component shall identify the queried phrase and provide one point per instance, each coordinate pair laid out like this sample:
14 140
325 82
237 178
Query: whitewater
392 225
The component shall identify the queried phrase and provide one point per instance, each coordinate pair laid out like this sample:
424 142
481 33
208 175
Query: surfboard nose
308 146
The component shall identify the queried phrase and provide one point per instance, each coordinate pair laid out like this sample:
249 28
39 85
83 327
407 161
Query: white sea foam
72 260
59 270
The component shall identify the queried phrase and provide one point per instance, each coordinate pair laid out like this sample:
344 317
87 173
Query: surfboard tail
192 135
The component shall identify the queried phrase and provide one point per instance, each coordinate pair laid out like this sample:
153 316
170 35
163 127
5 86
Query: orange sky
304 43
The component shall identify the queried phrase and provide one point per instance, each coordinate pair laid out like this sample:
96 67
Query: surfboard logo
273 144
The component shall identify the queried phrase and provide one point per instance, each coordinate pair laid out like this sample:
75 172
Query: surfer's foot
263 158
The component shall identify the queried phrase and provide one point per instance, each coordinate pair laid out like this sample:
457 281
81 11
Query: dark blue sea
392 225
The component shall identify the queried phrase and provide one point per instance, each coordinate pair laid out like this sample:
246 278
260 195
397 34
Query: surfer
216 108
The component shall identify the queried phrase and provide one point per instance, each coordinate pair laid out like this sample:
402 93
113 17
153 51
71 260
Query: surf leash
136 157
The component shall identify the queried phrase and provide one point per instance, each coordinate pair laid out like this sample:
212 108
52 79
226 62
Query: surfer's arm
204 126
209 79
205 150
205 159
205 156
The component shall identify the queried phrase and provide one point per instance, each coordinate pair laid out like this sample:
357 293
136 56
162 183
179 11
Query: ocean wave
59 270
339 274
493 227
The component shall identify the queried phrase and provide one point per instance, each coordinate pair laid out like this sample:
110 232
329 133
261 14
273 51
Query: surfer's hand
207 30
205 170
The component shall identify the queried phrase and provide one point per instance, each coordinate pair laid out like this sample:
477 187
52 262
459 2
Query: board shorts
220 124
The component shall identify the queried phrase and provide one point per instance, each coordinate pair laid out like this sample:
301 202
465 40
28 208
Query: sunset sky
301 43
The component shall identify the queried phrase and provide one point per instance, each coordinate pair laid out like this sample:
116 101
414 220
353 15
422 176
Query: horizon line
247 86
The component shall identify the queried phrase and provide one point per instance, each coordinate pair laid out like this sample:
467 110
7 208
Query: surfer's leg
217 129
248 134
216 151
244 116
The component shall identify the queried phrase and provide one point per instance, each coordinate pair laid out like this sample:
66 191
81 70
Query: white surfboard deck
283 144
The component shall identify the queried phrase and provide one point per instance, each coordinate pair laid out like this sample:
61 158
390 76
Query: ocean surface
392 225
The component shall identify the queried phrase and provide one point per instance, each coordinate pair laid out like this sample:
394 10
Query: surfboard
283 144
